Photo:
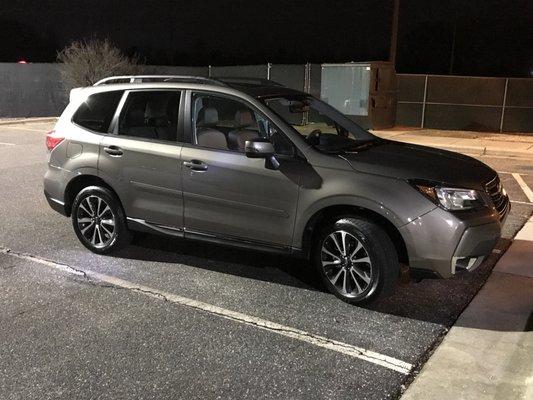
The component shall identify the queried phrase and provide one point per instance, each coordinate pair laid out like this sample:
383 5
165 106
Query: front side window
222 123
320 124
97 111
150 115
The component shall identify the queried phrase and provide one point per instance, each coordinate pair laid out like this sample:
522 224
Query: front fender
391 198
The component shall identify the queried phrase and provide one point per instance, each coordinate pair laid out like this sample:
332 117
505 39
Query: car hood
409 161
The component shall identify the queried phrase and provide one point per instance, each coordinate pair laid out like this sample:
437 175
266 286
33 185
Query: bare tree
86 62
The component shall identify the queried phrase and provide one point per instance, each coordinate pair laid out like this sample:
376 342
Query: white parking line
20 128
510 173
6 144
522 202
523 186
273 327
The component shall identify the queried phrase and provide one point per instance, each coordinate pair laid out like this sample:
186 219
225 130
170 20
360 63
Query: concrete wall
36 90
31 90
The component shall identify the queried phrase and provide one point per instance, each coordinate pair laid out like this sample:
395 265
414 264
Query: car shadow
224 259
437 301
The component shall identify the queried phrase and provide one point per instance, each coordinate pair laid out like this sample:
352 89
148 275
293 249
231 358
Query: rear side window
150 115
97 111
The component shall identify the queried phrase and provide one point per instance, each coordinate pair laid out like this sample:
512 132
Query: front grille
494 189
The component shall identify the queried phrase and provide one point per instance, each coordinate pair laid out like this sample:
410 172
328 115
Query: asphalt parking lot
174 319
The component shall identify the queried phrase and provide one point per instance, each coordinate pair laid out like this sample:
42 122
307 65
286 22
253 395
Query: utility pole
394 33
452 52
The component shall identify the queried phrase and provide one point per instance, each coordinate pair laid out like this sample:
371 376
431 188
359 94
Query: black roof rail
247 81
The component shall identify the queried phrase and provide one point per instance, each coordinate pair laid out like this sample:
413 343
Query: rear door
141 158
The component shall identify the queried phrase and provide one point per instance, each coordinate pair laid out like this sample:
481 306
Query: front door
227 194
141 160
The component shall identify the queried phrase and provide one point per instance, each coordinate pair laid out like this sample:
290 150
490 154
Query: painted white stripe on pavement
526 233
510 173
21 128
521 202
523 185
6 144
283 330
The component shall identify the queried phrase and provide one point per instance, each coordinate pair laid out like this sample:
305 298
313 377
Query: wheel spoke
359 290
87 227
88 199
336 278
106 230
362 274
99 234
106 209
99 204
334 238
334 262
84 220
344 281
362 260
110 222
329 253
93 238
343 239
85 209
357 248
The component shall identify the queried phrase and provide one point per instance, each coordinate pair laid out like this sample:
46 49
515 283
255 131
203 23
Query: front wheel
99 221
356 260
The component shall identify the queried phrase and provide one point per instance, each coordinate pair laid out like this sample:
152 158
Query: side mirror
261 148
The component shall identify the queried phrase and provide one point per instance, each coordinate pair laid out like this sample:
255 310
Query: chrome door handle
195 165
113 151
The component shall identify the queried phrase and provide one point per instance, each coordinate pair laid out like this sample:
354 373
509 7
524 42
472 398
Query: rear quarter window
97 111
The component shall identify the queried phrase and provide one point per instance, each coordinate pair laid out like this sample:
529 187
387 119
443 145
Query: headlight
452 199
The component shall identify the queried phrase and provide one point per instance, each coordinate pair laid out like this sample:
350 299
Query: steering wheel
314 137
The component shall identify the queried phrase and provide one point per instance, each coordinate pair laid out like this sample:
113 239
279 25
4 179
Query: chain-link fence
370 93
465 103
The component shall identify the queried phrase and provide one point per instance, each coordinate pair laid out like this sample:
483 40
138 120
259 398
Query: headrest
134 118
156 108
243 118
208 117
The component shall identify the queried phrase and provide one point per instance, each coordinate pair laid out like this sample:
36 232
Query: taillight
52 140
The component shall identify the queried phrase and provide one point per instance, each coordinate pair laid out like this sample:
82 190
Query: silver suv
254 164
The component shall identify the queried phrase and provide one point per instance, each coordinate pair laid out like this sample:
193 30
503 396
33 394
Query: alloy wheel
96 221
346 263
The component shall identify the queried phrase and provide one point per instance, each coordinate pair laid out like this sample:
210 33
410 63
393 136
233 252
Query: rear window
97 111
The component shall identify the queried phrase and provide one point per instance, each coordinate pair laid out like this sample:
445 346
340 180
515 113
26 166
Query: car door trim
155 189
235 204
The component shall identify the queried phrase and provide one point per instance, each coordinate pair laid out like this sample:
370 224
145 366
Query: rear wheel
356 260
99 221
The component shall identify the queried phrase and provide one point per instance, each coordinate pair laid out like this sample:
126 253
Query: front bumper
444 243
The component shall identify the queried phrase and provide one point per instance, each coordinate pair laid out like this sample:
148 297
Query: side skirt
141 225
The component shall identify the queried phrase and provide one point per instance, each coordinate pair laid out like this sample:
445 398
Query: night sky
492 38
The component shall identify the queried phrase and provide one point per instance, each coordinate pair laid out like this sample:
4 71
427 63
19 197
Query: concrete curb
470 150
28 120
484 151
491 340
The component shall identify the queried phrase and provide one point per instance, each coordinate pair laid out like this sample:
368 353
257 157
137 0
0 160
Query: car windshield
321 125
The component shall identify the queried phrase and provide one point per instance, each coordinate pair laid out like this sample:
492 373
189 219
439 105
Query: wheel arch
80 182
331 212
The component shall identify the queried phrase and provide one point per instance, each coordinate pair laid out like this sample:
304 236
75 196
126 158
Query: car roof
254 87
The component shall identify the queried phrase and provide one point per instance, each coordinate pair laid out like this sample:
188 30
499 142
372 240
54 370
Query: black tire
96 232
381 271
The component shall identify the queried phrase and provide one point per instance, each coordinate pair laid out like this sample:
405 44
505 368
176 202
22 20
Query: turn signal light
52 140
